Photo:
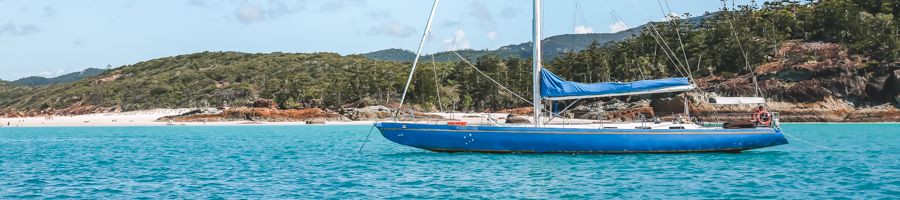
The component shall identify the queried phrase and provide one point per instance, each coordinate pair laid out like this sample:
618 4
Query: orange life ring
764 117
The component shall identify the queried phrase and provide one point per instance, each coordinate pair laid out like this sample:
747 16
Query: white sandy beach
149 118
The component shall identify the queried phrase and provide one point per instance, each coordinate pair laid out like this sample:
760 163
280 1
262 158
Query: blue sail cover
553 86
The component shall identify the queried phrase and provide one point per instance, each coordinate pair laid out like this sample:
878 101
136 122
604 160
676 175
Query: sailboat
585 138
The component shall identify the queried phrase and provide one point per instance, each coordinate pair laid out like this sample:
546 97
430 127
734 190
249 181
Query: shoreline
148 118
354 123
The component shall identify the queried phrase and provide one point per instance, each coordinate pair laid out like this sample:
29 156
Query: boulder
368 113
316 121
517 119
668 105
614 104
892 84
875 88
592 110
264 103
518 111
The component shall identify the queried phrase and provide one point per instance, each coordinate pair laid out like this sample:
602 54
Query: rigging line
418 54
456 52
495 81
675 20
743 53
459 26
437 85
575 15
654 29
489 78
579 14
674 61
367 140
808 142
555 115
677 68
655 39
658 37
668 50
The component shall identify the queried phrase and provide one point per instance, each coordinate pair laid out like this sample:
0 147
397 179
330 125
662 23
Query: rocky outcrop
614 110
875 114
831 109
802 72
810 82
367 113
263 103
518 111
892 86
259 114
380 113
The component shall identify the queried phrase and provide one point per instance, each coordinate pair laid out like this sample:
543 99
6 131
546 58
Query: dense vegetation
712 47
10 93
553 47
65 78
869 28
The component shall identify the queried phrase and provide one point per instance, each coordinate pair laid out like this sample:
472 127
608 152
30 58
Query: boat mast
416 60
536 60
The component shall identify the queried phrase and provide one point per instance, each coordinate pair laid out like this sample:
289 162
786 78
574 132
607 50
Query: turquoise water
265 162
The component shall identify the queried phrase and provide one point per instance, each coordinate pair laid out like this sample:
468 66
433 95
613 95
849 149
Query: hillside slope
553 47
66 78
216 79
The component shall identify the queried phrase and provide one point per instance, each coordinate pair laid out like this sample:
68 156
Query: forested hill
223 79
847 50
554 46
66 78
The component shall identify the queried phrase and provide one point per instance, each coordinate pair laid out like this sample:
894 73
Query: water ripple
300 162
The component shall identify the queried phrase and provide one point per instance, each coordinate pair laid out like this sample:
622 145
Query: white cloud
669 17
51 73
393 29
457 41
618 26
492 35
581 29
672 16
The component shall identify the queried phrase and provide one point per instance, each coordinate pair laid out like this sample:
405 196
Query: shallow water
322 162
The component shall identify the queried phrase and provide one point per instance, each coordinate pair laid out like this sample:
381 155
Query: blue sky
53 37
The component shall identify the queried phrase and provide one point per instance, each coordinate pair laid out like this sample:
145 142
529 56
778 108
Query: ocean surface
856 161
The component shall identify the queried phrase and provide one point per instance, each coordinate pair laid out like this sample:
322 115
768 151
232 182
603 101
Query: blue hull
497 139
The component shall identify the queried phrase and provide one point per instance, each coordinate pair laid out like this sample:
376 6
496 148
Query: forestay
554 88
